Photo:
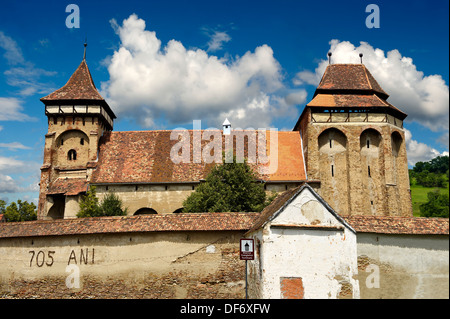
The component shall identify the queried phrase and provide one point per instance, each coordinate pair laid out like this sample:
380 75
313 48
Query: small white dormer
226 127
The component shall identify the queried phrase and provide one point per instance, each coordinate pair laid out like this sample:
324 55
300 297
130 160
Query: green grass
419 196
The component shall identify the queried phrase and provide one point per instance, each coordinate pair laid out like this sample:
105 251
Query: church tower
354 144
77 117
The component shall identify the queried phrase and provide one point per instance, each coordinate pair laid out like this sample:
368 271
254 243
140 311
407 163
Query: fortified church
340 227
348 144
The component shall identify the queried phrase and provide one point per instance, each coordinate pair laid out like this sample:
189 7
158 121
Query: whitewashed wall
323 255
403 266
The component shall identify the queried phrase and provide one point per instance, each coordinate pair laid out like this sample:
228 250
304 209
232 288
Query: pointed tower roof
79 87
351 86
79 90
349 79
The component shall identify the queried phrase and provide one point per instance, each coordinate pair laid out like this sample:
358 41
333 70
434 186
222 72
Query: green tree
22 211
110 206
229 187
437 205
89 206
438 165
2 206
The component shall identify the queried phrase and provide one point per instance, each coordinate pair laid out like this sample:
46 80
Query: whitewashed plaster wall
305 240
403 266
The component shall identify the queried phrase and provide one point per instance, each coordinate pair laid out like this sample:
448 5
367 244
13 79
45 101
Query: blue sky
256 62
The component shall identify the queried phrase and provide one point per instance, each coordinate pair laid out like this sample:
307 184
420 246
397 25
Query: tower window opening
72 155
62 141
82 141
368 143
368 170
331 144
332 170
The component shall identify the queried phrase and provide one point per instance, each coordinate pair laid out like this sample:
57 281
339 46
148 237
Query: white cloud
9 165
8 184
148 82
13 53
14 146
425 98
419 152
11 110
24 74
14 174
217 39
27 78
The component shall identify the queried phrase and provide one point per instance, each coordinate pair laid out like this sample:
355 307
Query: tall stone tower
77 117
354 144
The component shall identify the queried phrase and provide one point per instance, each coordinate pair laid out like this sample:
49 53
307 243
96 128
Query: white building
304 249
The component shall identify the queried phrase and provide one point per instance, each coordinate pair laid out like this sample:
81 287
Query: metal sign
247 249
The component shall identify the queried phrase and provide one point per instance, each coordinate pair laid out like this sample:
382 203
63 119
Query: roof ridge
367 77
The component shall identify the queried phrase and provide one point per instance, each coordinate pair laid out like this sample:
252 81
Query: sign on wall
247 249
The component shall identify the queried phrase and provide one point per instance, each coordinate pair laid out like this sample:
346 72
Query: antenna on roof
85 45
360 56
329 57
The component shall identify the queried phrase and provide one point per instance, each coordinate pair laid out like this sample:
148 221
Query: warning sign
247 249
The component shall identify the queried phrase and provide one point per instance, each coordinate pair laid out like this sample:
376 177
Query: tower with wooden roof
354 144
77 117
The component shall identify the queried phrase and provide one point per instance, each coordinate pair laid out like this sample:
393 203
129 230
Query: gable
308 209
300 207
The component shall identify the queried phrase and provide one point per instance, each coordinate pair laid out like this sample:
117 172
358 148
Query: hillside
426 177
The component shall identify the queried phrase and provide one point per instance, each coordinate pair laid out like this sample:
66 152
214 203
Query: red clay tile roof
131 224
79 87
68 186
352 101
349 77
399 225
273 207
144 157
365 224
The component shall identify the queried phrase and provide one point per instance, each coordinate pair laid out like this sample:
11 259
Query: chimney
226 126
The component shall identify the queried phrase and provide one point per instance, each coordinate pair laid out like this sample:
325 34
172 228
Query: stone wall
362 166
147 265
182 256
80 136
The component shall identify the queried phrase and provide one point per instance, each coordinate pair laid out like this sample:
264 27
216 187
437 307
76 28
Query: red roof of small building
362 223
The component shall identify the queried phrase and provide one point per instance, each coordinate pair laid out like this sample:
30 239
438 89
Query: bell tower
77 117
354 144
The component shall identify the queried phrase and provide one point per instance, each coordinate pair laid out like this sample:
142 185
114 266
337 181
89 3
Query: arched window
396 141
72 155
178 211
145 211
